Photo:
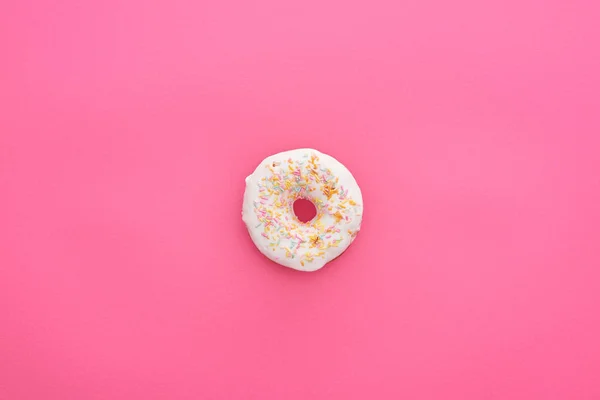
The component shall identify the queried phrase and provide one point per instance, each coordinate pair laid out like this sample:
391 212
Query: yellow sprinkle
314 240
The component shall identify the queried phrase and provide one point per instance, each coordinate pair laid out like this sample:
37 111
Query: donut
268 213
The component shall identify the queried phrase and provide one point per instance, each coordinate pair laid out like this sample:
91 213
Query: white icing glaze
268 208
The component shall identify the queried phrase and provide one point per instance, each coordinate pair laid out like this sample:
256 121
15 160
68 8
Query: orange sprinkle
338 216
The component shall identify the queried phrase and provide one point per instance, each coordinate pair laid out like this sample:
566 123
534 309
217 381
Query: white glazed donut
273 188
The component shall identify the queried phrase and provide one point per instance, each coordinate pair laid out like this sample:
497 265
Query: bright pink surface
127 129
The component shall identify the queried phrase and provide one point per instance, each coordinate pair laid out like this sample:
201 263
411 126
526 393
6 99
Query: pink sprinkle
327 237
265 235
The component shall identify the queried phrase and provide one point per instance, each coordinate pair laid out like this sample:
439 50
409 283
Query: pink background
127 129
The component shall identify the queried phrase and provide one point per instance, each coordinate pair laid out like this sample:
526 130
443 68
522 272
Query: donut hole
304 210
